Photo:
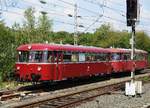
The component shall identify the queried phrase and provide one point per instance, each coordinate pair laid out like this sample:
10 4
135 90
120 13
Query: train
55 62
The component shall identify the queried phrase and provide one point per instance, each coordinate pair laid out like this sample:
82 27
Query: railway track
20 91
73 96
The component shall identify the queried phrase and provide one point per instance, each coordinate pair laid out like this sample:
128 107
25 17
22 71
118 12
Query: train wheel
34 83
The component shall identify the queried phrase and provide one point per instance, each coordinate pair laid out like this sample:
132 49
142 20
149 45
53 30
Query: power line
93 12
92 23
78 7
85 9
73 24
16 13
114 2
55 20
58 13
59 21
121 12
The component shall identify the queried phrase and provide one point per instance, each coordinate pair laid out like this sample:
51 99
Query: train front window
23 56
33 56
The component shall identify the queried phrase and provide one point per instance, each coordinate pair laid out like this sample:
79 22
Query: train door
58 57
128 62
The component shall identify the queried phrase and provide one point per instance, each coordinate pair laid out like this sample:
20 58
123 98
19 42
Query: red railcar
51 62
141 59
121 60
45 62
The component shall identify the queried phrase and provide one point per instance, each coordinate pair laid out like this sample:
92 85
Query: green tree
29 23
7 55
44 27
44 24
142 41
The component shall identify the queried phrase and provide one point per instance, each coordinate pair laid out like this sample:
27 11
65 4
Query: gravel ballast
119 100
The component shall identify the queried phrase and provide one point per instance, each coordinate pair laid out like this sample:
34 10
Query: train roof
58 47
141 51
122 50
118 50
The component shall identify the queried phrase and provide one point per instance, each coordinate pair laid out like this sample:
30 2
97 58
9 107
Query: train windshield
33 56
23 56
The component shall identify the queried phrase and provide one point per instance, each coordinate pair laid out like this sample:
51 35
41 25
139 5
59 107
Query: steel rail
109 86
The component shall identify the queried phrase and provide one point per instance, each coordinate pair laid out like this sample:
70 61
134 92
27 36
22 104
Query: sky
91 14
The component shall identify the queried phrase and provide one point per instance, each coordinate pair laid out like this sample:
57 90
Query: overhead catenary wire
94 20
121 12
93 12
59 13
84 18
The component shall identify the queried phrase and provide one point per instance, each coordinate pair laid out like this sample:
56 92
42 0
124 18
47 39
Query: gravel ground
120 100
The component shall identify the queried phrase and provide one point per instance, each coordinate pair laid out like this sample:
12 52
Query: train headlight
39 68
29 47
18 68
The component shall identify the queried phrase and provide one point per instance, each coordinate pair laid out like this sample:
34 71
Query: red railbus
51 62
141 59
121 60
46 62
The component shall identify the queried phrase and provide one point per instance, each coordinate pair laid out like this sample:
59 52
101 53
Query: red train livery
51 62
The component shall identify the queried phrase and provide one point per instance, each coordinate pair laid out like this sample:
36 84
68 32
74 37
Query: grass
146 79
11 85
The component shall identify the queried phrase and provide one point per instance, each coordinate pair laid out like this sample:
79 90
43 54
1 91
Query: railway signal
132 15
132 12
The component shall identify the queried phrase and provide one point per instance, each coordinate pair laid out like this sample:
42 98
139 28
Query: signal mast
132 15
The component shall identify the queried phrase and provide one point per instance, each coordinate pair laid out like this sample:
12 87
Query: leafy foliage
6 51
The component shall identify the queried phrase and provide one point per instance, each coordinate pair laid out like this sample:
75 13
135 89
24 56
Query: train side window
115 56
142 57
36 56
102 57
126 57
93 56
50 57
135 57
145 56
105 57
82 57
88 57
45 54
139 56
67 57
98 57
57 56
75 57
